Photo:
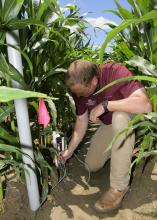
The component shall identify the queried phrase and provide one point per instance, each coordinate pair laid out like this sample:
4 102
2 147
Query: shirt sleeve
126 88
80 103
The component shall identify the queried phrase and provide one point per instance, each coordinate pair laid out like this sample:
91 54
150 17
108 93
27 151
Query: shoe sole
109 210
113 209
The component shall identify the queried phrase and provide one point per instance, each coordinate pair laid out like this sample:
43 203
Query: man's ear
95 81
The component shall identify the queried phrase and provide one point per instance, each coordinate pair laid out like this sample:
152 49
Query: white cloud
99 22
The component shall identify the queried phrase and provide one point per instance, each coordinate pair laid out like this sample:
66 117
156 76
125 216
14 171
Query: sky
96 16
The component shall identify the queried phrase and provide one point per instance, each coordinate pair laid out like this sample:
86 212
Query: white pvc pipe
24 127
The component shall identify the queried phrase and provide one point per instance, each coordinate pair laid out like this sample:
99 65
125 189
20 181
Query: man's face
84 90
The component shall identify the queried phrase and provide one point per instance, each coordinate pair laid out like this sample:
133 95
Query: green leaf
8 71
146 124
20 24
152 116
8 94
5 111
72 103
53 111
42 7
153 152
145 78
114 12
11 9
123 47
34 105
143 65
51 73
4 163
143 146
22 53
136 119
149 16
43 168
58 34
131 2
9 148
2 37
4 134
144 6
125 14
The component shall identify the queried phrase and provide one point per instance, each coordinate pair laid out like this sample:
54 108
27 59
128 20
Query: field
74 197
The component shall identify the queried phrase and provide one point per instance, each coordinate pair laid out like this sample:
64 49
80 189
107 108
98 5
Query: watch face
105 103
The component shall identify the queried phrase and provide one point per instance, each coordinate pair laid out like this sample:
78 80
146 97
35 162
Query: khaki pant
120 154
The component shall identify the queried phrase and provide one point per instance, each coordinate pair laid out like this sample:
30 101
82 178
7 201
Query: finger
94 120
91 118
91 121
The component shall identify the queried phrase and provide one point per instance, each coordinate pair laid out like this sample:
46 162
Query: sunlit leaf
143 65
144 78
149 16
9 94
11 9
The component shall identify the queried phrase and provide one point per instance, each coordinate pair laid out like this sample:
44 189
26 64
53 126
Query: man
113 107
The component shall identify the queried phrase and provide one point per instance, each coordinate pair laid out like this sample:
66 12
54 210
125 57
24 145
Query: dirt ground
74 197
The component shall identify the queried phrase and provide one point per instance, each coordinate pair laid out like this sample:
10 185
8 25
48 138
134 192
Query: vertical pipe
23 126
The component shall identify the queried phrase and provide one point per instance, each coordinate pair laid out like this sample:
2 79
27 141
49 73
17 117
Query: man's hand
96 112
79 131
66 154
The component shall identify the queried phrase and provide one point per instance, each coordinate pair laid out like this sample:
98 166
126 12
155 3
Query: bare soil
75 196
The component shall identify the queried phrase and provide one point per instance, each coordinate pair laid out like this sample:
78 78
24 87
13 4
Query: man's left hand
96 112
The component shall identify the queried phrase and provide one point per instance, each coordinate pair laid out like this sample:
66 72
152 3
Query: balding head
80 71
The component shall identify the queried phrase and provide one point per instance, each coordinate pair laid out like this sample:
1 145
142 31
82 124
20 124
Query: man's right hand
79 131
66 154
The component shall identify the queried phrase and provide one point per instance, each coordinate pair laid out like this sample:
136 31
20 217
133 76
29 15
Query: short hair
80 71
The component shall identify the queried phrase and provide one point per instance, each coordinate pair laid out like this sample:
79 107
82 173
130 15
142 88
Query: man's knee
92 167
120 120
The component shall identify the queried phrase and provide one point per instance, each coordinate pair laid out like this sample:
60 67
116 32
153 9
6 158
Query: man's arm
138 102
79 131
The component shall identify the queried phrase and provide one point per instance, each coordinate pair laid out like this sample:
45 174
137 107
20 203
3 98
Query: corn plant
50 38
137 31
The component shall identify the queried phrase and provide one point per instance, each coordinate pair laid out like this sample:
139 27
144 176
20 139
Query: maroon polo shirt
108 73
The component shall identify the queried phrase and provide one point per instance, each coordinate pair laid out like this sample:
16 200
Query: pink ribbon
43 114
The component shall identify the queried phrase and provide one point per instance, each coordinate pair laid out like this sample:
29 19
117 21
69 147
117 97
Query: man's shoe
110 201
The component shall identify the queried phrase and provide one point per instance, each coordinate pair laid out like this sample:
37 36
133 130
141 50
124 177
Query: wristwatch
105 104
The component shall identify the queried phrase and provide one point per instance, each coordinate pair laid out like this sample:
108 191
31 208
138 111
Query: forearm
79 131
133 105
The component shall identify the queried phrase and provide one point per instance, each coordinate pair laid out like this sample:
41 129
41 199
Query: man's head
81 77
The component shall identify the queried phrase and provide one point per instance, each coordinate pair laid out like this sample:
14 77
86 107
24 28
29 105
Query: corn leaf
144 78
8 71
5 111
8 94
149 16
143 65
5 135
11 9
20 24
53 111
125 14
